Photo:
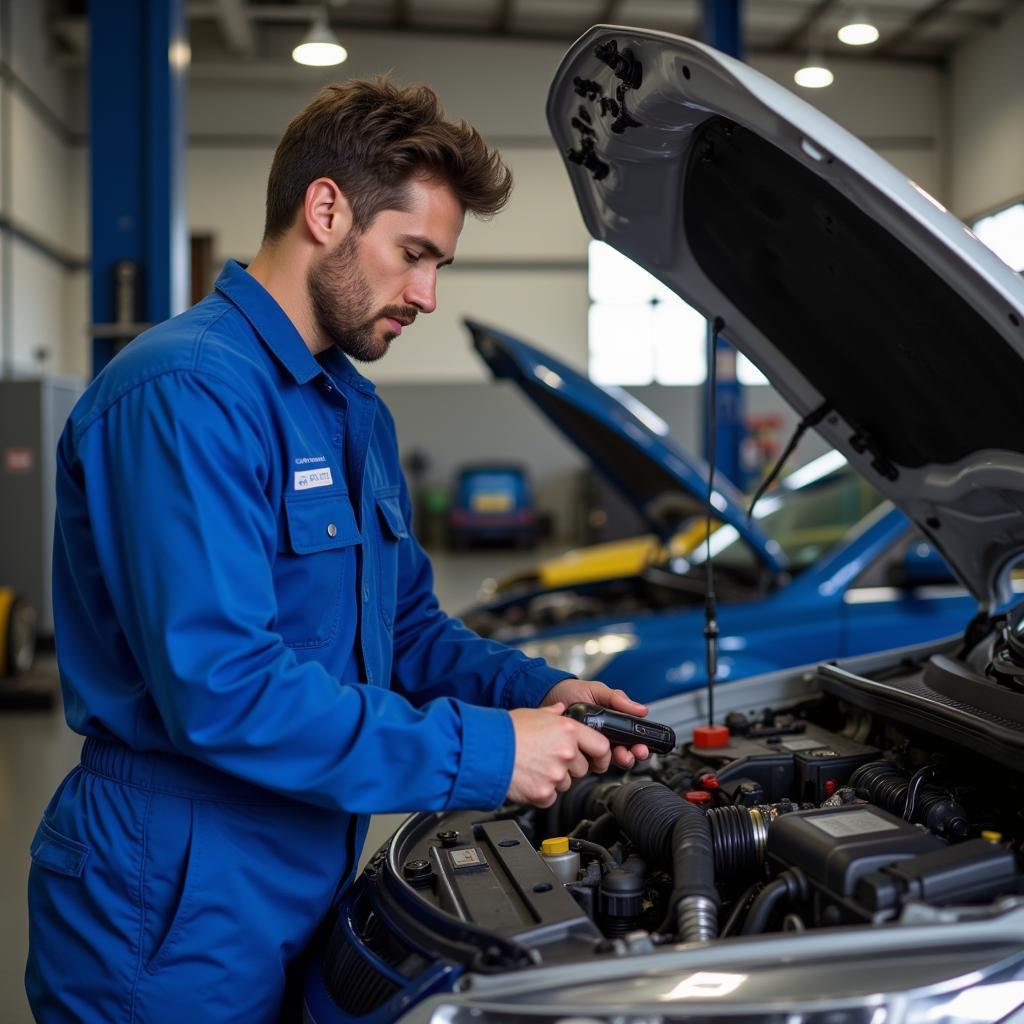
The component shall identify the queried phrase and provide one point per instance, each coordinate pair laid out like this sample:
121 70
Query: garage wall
526 270
987 119
537 247
42 237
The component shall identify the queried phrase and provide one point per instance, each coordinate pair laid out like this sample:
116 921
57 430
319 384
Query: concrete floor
37 750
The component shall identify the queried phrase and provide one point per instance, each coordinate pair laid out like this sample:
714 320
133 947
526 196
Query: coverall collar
279 334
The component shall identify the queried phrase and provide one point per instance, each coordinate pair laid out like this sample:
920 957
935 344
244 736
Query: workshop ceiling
224 30
909 28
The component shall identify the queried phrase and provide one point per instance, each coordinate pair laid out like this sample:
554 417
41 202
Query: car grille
354 982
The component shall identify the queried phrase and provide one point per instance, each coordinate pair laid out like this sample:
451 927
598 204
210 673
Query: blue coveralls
248 638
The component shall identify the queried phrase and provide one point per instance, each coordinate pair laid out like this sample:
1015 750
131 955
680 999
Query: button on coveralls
249 641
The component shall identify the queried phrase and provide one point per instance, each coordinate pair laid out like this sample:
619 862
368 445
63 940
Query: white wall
40 202
526 269
987 119
897 109
501 87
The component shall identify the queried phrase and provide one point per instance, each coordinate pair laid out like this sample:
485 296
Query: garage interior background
946 107
952 123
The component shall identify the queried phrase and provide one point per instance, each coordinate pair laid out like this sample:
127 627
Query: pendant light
859 30
320 48
813 74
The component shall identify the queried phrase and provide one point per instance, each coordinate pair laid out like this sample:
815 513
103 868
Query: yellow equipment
17 634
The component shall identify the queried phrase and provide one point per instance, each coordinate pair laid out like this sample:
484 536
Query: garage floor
37 750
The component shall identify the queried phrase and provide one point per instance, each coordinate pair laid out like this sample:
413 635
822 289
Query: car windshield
806 523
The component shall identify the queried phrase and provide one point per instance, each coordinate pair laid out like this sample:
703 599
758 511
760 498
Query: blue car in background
492 504
825 568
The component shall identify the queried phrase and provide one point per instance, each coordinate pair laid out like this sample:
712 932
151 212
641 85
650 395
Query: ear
327 211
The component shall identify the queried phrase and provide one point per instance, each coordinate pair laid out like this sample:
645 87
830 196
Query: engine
824 814
797 822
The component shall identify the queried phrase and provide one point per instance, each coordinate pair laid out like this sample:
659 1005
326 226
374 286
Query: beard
342 304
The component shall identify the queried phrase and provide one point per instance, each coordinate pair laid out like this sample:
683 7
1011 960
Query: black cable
914 788
710 617
789 887
582 830
742 905
812 419
585 846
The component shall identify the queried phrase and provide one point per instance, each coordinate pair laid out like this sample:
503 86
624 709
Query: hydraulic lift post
723 29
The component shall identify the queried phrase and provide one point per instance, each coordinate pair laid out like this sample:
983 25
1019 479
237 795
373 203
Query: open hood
624 440
856 293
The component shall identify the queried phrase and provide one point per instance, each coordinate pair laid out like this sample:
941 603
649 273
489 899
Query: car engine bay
873 800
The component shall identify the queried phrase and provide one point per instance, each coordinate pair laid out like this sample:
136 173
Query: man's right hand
551 751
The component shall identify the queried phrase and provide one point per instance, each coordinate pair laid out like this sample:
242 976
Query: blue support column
138 58
723 29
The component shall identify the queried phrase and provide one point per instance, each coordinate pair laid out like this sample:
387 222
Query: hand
571 691
551 751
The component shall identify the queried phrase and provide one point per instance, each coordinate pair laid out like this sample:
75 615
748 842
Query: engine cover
836 846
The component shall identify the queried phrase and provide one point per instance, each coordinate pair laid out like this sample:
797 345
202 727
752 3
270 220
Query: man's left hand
572 691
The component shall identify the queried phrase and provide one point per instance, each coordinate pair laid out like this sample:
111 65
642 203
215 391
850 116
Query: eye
412 257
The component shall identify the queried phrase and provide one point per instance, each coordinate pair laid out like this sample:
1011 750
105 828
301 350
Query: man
246 627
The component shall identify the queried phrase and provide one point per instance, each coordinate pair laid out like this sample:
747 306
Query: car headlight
582 654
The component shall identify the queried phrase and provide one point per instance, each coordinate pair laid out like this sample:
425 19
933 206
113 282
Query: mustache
406 314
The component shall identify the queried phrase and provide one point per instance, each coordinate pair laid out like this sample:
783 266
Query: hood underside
624 441
861 299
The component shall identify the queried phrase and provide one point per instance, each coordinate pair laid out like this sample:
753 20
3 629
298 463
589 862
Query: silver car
850 850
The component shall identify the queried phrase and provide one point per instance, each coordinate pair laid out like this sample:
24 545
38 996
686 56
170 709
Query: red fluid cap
697 796
710 783
710 736
830 786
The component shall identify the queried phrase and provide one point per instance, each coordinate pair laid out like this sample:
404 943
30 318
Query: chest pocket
393 531
315 564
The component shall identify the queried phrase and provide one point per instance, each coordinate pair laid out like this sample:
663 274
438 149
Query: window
1003 233
641 332
806 522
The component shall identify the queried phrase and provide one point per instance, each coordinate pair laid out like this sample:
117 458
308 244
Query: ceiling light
813 76
858 31
320 48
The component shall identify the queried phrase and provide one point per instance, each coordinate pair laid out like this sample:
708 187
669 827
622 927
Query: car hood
624 440
856 293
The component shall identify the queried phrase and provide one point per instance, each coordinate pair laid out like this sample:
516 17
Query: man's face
373 284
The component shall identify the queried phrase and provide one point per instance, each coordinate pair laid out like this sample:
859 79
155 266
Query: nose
421 291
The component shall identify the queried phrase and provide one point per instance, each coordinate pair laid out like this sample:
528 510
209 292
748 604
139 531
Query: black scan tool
624 730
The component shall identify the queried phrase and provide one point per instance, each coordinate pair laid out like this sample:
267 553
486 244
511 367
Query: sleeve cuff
529 684
485 764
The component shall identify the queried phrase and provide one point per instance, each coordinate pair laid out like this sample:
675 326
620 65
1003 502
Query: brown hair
370 136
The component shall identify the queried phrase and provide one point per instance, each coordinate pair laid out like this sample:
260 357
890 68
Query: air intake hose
884 785
674 834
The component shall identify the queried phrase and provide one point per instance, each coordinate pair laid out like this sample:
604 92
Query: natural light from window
1003 233
641 332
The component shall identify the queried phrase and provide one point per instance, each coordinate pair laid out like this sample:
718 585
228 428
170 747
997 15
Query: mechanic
246 627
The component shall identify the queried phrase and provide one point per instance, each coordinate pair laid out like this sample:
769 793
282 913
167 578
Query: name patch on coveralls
309 478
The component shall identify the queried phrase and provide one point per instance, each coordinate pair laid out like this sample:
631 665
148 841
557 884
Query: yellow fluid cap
559 844
992 837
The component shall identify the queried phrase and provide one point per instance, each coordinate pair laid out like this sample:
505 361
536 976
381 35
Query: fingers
627 758
619 700
579 767
623 757
554 709
593 746
601 763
